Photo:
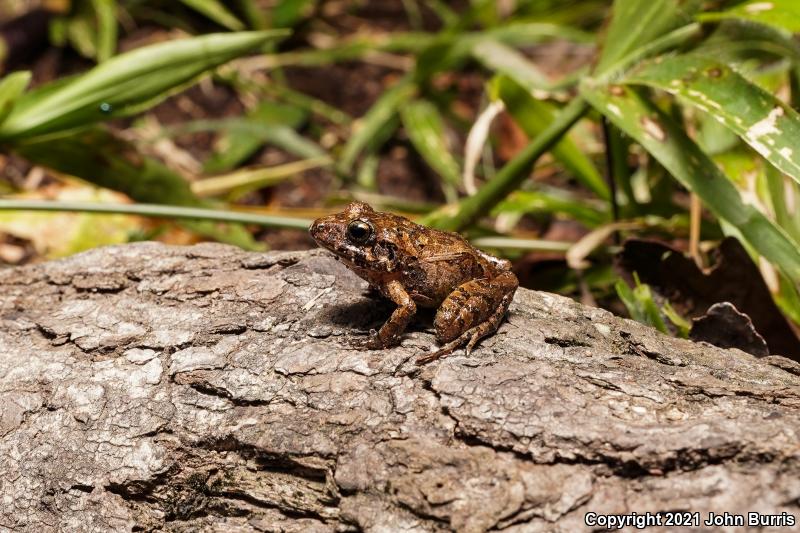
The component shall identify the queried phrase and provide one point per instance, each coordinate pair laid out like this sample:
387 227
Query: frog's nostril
317 228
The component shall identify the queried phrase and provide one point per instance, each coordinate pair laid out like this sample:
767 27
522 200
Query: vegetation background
641 155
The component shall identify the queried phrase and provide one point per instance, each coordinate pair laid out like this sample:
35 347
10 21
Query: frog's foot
445 350
371 342
472 336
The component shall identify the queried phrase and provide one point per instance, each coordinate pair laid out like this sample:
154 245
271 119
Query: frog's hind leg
471 312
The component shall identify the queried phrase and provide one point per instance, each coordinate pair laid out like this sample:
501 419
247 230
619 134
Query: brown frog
417 266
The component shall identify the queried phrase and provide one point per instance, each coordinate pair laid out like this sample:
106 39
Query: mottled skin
416 266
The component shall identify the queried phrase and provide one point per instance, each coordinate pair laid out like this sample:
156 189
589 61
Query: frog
416 266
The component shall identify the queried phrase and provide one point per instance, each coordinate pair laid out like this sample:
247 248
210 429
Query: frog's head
363 238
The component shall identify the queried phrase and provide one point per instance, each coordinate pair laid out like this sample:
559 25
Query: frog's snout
318 230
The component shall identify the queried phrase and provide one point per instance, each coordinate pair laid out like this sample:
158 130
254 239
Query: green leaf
783 14
628 298
681 324
216 11
377 118
122 84
245 137
666 142
788 299
784 196
736 40
243 181
425 127
269 122
641 304
505 60
511 176
11 87
636 23
158 211
255 17
533 116
91 29
764 122
106 13
555 201
287 13
526 33
448 51
100 158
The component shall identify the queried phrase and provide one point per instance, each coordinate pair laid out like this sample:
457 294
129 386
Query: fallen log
147 387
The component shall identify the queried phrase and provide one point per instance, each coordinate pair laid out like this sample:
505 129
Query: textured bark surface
146 387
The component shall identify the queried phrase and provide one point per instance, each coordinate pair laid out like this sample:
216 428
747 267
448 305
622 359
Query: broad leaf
760 119
783 14
122 84
666 142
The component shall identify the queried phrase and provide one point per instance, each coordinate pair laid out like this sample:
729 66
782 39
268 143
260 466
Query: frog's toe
477 335
447 349
371 342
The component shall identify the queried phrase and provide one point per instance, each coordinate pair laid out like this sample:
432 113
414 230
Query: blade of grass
640 304
106 13
673 39
512 175
312 105
216 11
287 13
511 243
579 251
255 17
246 180
533 116
159 211
381 113
269 123
11 88
556 202
638 22
784 196
503 59
425 127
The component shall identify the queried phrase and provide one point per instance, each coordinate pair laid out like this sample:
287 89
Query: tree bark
147 387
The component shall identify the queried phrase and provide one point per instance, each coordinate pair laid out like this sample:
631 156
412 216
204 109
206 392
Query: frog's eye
359 232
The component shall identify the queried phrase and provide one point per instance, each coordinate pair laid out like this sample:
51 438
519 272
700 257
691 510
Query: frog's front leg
472 311
396 325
